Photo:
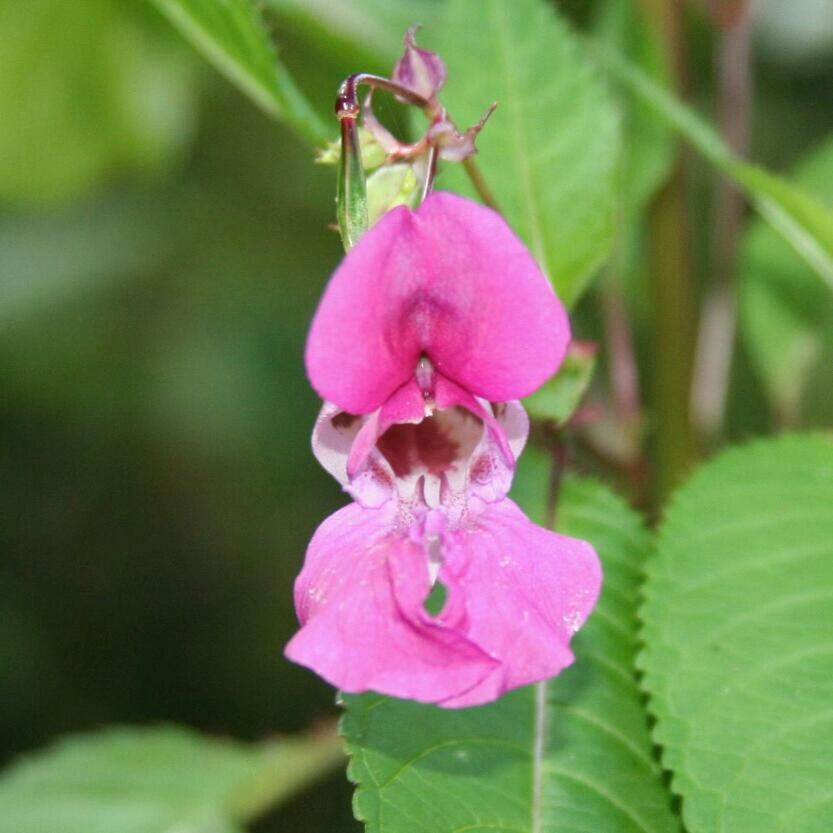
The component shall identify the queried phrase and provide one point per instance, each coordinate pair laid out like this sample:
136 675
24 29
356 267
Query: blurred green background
162 248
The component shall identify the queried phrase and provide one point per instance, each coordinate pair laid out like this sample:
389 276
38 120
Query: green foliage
558 399
647 146
151 368
233 36
805 222
155 418
549 152
369 30
739 657
163 780
50 258
572 754
786 312
88 90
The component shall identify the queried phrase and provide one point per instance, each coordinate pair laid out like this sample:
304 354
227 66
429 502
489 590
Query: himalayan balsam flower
428 333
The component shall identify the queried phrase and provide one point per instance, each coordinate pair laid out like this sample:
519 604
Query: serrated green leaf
233 37
569 755
805 222
549 152
88 91
786 313
739 640
161 780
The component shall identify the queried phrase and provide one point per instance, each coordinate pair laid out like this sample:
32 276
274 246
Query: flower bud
419 70
373 154
388 187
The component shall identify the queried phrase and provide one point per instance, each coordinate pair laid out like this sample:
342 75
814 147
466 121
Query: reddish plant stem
622 367
716 336
623 377
558 462
347 97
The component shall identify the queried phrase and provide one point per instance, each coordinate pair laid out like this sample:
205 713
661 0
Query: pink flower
429 331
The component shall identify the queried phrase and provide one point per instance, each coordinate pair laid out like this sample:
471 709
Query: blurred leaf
786 314
233 36
739 655
368 29
571 755
798 33
47 259
549 153
160 780
647 145
88 90
801 219
806 223
559 398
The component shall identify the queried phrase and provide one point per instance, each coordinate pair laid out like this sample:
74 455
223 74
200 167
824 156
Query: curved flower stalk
416 80
428 333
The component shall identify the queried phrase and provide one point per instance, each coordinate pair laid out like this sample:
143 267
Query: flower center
434 446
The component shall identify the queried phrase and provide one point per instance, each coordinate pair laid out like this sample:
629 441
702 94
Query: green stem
671 290
480 184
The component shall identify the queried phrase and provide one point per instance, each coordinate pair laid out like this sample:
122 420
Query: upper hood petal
449 280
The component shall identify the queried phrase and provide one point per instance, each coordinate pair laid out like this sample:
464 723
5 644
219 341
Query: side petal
406 405
527 591
491 468
334 436
448 395
360 601
451 281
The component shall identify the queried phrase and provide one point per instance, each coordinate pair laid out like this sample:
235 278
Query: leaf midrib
539 728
